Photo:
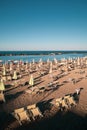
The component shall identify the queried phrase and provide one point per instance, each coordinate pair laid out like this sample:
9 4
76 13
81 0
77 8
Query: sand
17 97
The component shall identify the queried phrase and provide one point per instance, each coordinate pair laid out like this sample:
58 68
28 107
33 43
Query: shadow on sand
60 121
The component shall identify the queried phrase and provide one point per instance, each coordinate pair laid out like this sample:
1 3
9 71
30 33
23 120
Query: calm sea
37 55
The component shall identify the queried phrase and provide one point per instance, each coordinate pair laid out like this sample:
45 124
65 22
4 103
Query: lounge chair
19 110
9 78
4 78
31 106
34 110
70 100
64 104
21 115
58 102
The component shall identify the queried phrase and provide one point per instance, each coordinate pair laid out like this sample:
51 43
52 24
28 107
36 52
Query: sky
43 24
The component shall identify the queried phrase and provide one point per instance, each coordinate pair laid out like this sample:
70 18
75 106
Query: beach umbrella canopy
33 61
4 71
31 81
2 86
22 63
26 65
11 65
39 65
55 60
15 75
50 69
50 72
78 62
30 65
18 65
3 66
48 60
40 61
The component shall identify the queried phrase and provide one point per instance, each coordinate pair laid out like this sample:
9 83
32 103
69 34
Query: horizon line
43 50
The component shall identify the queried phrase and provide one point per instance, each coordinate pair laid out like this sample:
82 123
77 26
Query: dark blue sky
43 24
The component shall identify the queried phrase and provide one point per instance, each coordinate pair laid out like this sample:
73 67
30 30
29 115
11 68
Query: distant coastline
25 53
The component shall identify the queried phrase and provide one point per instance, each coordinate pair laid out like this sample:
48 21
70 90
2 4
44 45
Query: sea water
37 55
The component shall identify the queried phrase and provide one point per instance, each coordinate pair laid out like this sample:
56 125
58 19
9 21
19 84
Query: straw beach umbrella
55 60
78 61
26 65
2 86
3 66
48 61
30 69
33 61
18 65
15 75
51 71
11 66
4 71
31 81
40 61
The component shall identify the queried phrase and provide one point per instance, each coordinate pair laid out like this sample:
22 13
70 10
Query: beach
51 80
43 65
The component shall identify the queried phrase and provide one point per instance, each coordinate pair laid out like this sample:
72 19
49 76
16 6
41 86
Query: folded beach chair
70 100
2 98
4 78
64 104
66 98
19 110
35 111
58 103
31 106
21 115
9 78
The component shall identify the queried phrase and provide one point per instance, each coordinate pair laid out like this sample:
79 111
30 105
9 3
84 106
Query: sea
29 56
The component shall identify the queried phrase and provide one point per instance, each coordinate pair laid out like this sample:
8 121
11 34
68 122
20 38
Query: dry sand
74 118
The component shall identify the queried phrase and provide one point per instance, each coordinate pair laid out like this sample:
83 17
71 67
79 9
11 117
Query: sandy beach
51 80
43 65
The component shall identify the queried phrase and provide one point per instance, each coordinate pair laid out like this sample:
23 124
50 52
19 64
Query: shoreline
26 53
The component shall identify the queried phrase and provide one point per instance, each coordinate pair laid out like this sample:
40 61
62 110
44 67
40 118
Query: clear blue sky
43 24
